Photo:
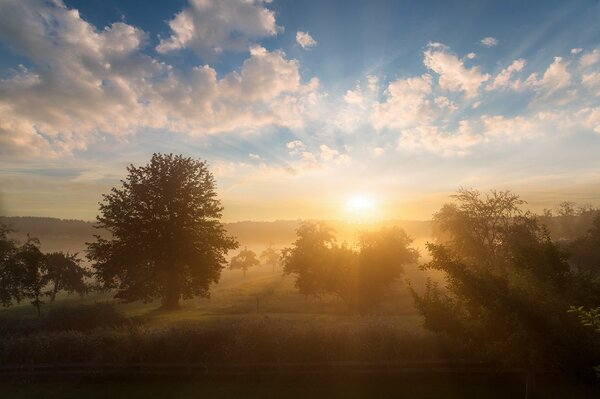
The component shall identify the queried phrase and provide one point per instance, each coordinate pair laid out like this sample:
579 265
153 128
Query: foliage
9 272
589 318
167 241
507 283
309 257
244 260
585 251
32 277
25 271
64 272
359 276
271 257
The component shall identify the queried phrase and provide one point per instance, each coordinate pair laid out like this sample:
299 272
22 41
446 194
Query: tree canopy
360 276
507 283
244 260
167 239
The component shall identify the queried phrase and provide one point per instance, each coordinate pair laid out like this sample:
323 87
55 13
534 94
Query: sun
361 206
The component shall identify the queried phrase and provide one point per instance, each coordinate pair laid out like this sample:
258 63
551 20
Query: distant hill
71 235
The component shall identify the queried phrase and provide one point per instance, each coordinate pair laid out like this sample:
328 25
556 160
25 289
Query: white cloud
354 97
555 77
591 79
431 139
255 157
209 27
453 75
295 146
489 41
576 50
305 40
590 58
444 102
85 83
503 79
406 104
471 56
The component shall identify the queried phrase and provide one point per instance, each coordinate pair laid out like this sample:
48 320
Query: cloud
255 157
209 27
590 58
445 103
305 40
432 139
489 41
576 50
328 154
354 97
471 56
555 77
85 83
503 79
406 104
453 75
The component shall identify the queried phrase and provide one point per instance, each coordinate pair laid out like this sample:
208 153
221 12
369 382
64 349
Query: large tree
167 239
507 284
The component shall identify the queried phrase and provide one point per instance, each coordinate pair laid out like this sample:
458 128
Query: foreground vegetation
453 386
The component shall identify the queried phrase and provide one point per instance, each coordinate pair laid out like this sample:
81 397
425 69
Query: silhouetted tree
309 258
271 257
382 256
167 239
585 251
244 260
589 318
506 282
64 272
32 273
9 271
361 277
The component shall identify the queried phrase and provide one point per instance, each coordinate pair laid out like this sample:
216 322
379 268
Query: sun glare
361 206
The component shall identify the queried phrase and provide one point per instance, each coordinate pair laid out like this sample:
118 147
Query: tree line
27 273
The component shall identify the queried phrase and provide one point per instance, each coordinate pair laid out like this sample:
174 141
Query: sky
303 109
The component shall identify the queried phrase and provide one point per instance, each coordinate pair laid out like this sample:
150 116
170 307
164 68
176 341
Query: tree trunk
54 291
530 383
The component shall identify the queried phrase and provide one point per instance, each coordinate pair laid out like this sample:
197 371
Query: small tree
309 258
32 273
9 270
244 260
270 257
167 239
381 260
64 272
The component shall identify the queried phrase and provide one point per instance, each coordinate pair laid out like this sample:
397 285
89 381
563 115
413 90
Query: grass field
261 291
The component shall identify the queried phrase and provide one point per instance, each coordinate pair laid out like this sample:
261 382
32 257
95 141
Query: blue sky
401 102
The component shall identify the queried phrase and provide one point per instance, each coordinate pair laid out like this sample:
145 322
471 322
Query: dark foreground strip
197 369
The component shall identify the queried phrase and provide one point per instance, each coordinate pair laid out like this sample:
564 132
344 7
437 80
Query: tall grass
248 340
